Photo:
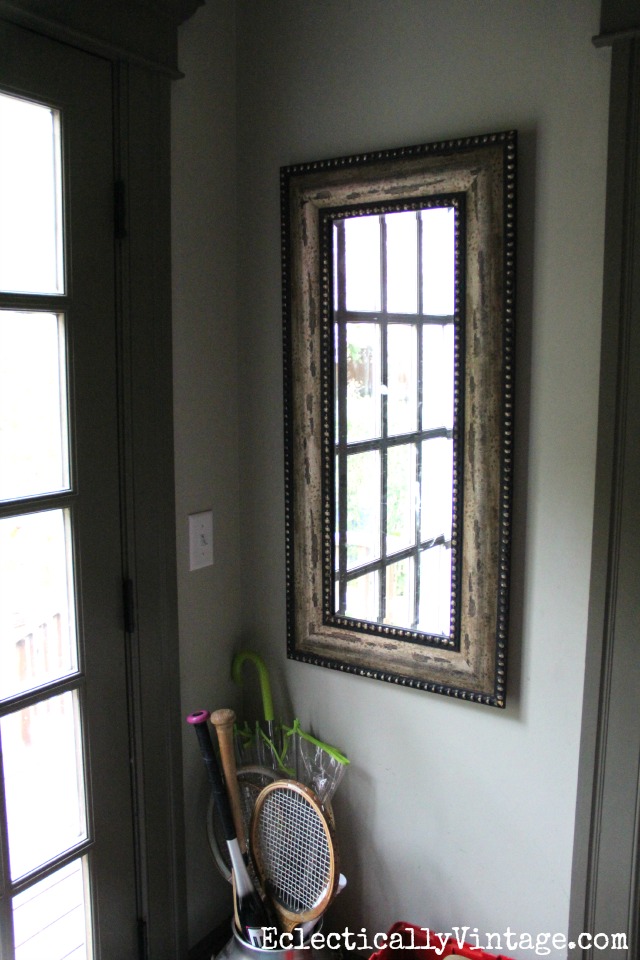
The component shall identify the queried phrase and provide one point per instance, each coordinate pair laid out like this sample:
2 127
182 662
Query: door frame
605 893
140 40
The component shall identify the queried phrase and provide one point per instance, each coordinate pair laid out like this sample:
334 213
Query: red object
419 943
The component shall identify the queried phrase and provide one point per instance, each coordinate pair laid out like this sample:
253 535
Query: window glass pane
362 259
44 789
30 197
33 407
37 623
436 508
401 497
399 597
363 381
438 261
363 508
437 376
435 591
51 917
402 262
402 378
362 597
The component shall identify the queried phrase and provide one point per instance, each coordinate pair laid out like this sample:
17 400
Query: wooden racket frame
289 920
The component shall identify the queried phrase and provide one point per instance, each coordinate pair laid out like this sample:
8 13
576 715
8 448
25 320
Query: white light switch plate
200 540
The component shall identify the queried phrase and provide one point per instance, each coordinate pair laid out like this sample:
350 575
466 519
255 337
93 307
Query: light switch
200 540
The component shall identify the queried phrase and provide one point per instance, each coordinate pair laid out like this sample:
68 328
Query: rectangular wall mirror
398 296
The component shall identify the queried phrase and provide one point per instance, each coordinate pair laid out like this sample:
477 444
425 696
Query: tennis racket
251 781
294 851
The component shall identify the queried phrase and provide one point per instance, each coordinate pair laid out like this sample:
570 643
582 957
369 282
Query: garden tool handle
224 720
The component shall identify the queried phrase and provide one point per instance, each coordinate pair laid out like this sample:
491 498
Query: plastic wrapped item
255 748
408 942
312 762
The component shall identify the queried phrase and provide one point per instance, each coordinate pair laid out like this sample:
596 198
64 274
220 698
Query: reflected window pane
438 376
438 261
402 258
399 596
363 381
363 508
363 597
37 623
44 788
33 405
30 198
50 918
436 508
402 379
401 498
362 261
435 591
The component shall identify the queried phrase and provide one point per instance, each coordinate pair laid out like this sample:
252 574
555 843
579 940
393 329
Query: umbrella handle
265 686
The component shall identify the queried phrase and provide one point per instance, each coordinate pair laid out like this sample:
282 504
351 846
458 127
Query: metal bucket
239 949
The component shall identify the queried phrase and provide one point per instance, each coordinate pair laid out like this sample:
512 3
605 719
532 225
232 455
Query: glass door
66 833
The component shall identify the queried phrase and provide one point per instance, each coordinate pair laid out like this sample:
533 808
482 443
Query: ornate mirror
398 292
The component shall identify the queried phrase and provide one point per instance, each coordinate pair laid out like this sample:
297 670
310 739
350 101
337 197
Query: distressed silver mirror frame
479 173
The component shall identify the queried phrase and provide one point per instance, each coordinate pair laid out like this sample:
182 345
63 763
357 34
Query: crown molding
138 31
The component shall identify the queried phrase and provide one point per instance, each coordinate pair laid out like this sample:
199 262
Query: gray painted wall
206 390
451 814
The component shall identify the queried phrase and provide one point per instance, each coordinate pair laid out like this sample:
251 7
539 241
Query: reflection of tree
363 510
360 368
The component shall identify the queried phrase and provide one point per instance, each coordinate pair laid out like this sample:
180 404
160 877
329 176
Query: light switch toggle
200 539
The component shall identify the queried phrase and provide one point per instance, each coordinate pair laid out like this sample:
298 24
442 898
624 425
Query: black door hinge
143 945
120 209
129 606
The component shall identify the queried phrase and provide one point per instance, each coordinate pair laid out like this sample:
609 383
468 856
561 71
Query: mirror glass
396 345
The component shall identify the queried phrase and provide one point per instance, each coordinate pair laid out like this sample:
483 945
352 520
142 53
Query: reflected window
396 348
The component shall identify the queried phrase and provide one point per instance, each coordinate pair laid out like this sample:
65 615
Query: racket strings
294 851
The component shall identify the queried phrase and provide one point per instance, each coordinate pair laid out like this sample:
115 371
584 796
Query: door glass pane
50 917
30 198
37 623
44 790
33 407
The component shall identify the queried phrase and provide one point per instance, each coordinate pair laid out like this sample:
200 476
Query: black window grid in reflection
342 576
